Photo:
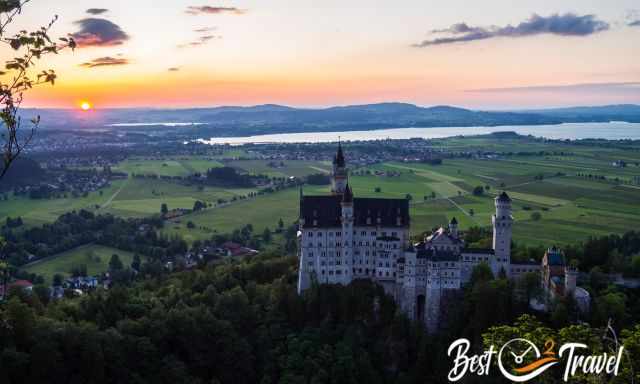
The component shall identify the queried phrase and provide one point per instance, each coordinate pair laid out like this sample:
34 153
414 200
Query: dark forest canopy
244 323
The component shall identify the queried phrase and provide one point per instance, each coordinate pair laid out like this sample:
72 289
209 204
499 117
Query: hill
270 118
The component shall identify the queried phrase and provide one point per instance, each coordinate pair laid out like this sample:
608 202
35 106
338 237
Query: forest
243 322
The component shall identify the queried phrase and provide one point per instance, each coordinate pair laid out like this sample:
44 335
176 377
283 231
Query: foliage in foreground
239 323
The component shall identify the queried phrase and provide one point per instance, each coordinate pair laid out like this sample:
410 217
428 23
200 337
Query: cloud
173 69
635 23
630 86
96 32
97 11
202 40
205 29
209 10
568 24
106 61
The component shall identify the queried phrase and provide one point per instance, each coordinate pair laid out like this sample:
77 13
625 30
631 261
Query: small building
25 285
234 249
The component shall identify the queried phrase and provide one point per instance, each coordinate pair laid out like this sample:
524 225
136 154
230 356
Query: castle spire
340 173
338 160
347 197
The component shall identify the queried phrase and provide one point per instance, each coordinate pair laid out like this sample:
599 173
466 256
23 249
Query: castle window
373 233
319 234
310 234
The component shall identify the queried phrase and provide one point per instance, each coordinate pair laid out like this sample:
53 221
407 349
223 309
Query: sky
489 54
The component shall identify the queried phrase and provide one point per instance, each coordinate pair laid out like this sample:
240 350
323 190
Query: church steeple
340 174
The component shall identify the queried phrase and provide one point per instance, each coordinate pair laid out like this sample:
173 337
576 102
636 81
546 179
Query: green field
95 257
572 207
173 166
284 168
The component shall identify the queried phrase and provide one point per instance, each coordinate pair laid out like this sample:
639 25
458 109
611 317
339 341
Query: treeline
83 227
240 323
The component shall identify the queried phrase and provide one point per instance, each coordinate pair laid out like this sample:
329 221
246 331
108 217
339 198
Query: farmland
576 192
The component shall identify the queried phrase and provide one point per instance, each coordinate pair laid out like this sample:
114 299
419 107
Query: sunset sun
85 106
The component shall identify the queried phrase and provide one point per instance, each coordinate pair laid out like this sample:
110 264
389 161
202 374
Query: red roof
21 284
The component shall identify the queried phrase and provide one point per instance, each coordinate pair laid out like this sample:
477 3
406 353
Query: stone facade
342 238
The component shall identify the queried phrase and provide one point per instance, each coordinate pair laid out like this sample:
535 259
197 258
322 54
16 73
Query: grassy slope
95 257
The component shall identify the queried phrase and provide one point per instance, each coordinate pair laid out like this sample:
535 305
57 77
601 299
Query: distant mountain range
270 118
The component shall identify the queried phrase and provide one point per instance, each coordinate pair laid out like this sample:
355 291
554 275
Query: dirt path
320 169
462 209
115 194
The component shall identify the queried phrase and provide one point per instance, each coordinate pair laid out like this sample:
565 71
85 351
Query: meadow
569 206
95 257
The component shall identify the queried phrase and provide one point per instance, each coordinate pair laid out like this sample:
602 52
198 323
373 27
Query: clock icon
519 351
524 360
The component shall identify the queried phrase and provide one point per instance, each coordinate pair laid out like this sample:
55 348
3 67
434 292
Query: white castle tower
347 234
305 274
502 226
340 174
570 279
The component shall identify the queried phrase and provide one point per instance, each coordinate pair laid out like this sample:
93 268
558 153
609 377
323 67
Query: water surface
611 131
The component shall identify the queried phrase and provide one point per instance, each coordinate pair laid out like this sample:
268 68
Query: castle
343 238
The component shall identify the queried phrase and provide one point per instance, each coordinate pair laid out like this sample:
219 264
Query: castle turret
304 277
453 227
570 278
502 226
347 234
340 174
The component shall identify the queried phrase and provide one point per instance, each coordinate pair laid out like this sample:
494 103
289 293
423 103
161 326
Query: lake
612 131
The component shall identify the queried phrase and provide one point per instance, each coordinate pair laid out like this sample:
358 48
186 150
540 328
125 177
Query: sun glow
85 106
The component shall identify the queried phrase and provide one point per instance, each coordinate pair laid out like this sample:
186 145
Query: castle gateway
343 237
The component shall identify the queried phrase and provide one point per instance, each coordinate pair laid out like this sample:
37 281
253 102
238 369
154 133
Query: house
234 249
25 285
